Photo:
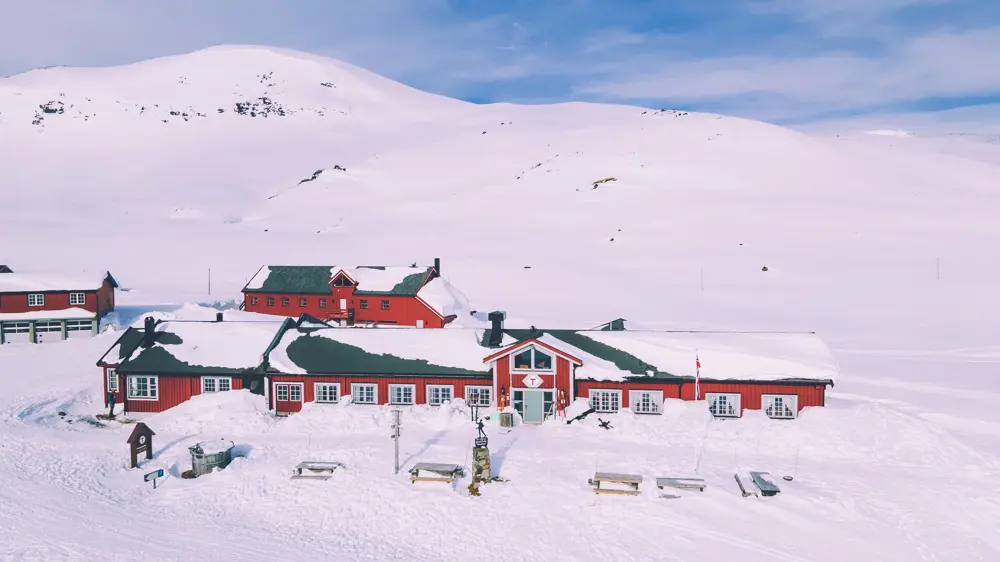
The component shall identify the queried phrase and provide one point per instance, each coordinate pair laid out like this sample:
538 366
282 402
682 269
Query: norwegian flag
697 377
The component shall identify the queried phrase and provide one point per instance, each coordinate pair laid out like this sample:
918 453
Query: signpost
395 436
153 476
140 441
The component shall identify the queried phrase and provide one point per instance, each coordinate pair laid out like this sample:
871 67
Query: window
270 301
532 359
77 298
295 392
253 301
322 303
36 299
781 406
288 392
478 395
364 304
216 384
302 302
281 392
327 392
284 301
79 325
606 401
363 393
112 379
385 304
438 394
724 405
342 281
143 388
647 401
401 394
50 326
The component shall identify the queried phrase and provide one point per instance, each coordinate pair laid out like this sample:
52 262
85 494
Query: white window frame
150 396
386 303
439 387
216 382
336 391
532 369
392 394
790 401
595 394
479 389
79 325
354 393
732 398
77 298
36 299
254 300
112 379
654 405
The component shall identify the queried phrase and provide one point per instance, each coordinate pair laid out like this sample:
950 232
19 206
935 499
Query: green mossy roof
319 355
315 279
408 286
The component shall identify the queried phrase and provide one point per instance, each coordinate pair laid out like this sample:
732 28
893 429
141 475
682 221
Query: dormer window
532 359
342 281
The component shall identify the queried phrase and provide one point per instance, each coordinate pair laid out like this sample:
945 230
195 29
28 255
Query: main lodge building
305 360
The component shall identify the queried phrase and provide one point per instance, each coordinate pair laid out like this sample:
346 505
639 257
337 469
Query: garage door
79 329
47 332
16 332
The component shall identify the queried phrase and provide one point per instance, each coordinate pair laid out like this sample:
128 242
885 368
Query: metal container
506 419
209 455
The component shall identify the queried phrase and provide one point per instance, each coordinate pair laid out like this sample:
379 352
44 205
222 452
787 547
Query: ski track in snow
883 245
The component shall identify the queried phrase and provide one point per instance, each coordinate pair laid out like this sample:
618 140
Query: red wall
404 310
173 389
750 393
419 394
101 300
561 380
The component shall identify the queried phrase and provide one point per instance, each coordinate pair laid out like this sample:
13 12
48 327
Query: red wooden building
41 308
405 296
308 361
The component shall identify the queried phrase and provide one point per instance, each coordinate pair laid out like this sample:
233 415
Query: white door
79 329
343 304
420 323
16 332
48 332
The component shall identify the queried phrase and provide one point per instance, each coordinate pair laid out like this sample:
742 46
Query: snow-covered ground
885 245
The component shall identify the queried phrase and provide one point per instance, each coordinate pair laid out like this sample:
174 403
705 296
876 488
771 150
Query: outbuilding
42 308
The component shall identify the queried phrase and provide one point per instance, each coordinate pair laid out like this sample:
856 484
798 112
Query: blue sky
785 61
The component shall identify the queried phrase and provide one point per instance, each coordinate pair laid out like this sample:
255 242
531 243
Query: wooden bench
445 472
315 470
681 483
764 483
631 482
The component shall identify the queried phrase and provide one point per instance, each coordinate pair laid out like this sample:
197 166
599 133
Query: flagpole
697 377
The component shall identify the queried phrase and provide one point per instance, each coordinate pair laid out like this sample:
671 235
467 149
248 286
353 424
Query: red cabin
41 308
405 296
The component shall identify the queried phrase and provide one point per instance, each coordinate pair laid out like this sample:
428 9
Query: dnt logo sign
532 381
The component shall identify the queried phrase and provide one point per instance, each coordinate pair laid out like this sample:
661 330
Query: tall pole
938 261
701 277
210 281
395 437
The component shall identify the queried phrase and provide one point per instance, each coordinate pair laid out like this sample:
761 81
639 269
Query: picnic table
764 483
315 470
445 472
681 483
630 481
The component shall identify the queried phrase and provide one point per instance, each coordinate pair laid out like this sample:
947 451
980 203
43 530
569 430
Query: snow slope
883 245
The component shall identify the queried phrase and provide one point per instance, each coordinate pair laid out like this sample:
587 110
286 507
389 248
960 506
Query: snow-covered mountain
573 214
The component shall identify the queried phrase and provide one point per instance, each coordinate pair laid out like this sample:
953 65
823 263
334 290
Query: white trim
429 307
790 402
36 298
215 380
732 399
609 391
532 342
413 394
451 393
335 385
82 300
480 388
655 401
354 399
156 383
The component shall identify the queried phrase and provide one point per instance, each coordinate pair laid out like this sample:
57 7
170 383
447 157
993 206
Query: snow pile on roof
257 282
457 348
593 367
443 297
66 313
727 355
229 345
42 282
378 279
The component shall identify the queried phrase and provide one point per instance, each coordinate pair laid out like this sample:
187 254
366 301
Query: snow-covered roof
444 298
389 279
194 346
315 279
46 282
63 314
